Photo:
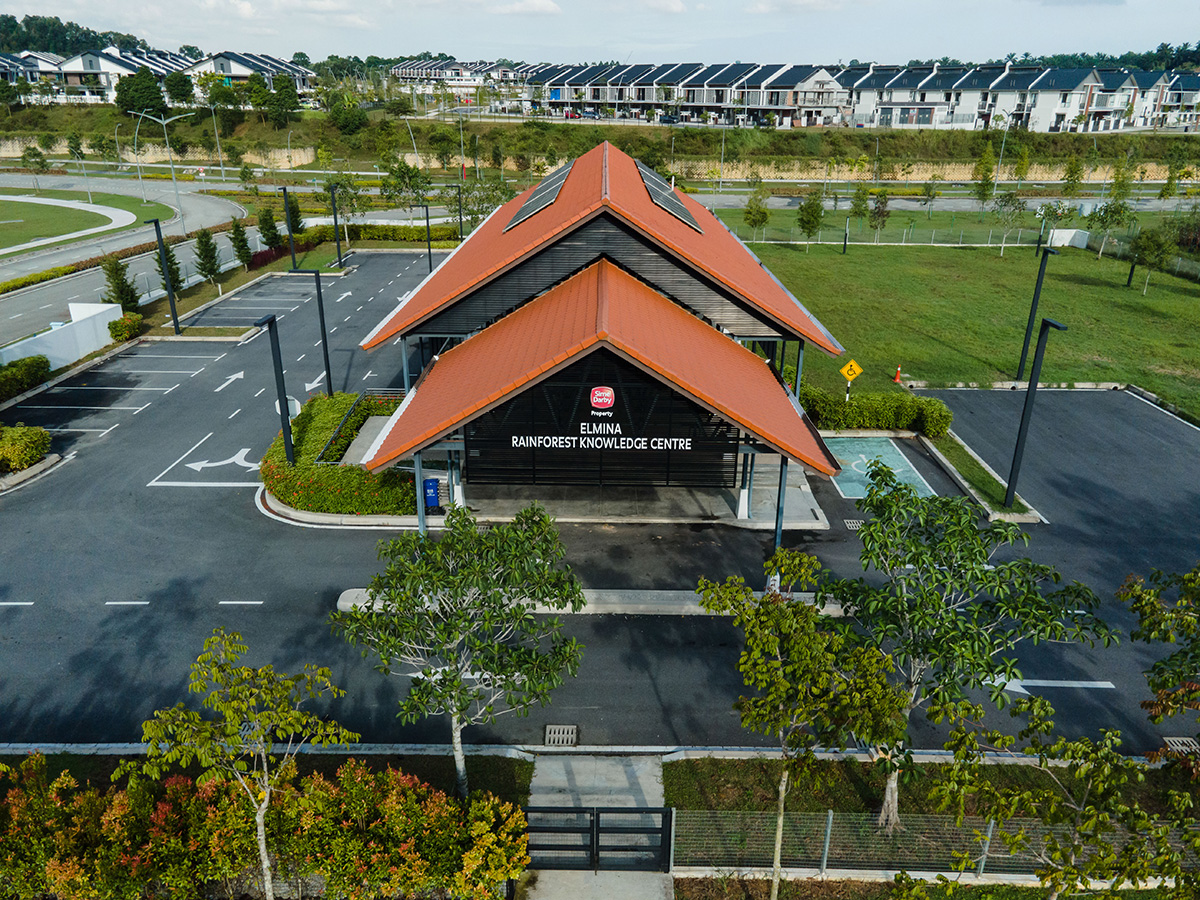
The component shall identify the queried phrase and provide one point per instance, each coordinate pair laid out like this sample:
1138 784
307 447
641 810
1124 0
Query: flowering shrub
125 328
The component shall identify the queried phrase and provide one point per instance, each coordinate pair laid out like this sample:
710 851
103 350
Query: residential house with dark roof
238 67
1062 99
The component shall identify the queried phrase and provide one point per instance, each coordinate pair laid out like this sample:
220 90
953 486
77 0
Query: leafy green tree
950 609
246 177
810 215
479 199
811 685
352 201
241 246
1108 218
1095 832
191 51
9 96
75 145
454 616
140 93
1122 180
207 264
1055 213
399 107
259 94
1072 176
348 118
1153 249
121 288
1167 607
983 178
929 193
1021 166
35 160
179 88
860 203
756 215
444 144
294 217
172 268
283 103
268 230
254 710
879 213
404 186
1009 211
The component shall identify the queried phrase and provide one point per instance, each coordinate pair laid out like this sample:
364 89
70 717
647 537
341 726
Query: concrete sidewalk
570 780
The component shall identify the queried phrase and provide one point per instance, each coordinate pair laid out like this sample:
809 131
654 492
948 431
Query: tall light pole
166 270
285 420
217 134
170 158
316 274
137 159
1003 141
1047 252
117 141
289 151
1027 412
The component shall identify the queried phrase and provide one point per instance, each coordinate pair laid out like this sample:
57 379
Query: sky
763 31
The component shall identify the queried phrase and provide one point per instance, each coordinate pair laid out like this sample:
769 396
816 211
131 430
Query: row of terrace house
874 96
94 74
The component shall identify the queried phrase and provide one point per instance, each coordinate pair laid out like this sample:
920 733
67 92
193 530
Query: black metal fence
594 838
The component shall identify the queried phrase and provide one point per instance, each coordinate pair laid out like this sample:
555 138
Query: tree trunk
460 761
1103 243
783 785
889 815
1146 286
260 825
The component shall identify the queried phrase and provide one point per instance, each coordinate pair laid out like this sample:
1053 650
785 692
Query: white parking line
126 602
47 306
260 333
301 356
99 431
113 388
280 306
136 409
167 356
239 603
260 390
17 316
333 329
182 458
198 371
16 603
234 413
168 390
162 371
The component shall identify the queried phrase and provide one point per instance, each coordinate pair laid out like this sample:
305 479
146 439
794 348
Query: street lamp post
316 274
1027 412
137 159
285 420
1047 252
166 270
337 238
287 219
170 158
1003 141
217 135
428 240
289 152
117 141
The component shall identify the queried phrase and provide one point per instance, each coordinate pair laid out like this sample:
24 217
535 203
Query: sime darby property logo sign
603 397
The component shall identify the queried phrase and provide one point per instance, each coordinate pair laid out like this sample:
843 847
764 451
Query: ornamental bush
125 328
22 446
20 375
339 489
891 411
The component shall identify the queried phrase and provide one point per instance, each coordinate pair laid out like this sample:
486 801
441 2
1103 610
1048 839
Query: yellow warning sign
851 370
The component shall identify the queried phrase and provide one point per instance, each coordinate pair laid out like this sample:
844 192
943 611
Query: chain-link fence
821 841
1119 247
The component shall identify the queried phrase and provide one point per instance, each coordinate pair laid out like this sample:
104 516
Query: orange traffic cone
897 378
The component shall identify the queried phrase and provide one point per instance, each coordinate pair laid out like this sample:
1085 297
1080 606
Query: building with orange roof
601 329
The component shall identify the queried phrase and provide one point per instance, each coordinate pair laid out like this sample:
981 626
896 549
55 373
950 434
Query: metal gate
634 839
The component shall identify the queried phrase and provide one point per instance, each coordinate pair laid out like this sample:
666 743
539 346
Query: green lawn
958 315
60 220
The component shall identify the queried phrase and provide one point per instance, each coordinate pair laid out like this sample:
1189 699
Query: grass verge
19 234
507 778
849 786
975 474
730 887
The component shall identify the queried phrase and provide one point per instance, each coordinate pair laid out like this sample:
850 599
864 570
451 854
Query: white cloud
786 6
666 6
529 7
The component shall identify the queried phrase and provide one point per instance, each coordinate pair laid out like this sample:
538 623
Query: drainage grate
1185 745
853 524
562 735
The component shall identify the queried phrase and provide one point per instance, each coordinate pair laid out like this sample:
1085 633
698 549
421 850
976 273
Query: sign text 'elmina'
598 436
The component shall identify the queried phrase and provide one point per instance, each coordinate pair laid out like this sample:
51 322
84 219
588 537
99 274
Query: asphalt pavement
115 566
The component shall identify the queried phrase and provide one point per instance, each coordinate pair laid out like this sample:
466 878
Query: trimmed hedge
125 328
343 490
893 411
20 375
367 231
15 284
22 446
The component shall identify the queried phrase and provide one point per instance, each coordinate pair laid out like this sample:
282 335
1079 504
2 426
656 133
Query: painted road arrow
344 296
1019 685
230 380
309 385
238 458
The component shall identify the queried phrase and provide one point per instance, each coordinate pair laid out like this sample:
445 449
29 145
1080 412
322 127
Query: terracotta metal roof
601 307
604 180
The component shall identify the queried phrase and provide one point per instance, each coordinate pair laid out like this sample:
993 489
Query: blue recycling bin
431 492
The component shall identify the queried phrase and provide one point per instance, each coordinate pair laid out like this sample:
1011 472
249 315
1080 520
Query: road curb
1030 518
13 479
70 373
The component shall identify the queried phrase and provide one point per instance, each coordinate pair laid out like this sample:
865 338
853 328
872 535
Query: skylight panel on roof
543 195
664 197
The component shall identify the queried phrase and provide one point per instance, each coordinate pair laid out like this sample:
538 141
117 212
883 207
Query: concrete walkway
571 780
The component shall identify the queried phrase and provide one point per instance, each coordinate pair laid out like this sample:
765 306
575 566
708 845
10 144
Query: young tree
35 160
454 616
479 199
404 186
1107 218
283 103
811 685
1153 249
983 178
241 246
179 88
947 610
1021 166
75 145
810 215
879 213
8 96
1054 214
1168 612
929 193
254 711
208 266
860 203
1009 210
246 176
268 230
756 215
140 93
259 94
295 219
1072 176
1122 180
121 288
1095 834
172 268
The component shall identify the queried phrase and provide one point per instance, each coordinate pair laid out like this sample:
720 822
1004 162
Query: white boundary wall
86 333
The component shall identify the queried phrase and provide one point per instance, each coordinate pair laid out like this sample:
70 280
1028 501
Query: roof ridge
602 298
604 194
